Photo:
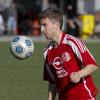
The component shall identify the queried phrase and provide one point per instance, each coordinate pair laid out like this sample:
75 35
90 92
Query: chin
48 38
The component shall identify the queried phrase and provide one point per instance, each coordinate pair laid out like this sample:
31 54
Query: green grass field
22 79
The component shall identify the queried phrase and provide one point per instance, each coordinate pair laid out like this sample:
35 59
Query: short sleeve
85 55
81 51
47 74
87 58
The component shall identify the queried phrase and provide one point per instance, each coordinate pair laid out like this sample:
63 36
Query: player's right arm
51 86
48 76
51 91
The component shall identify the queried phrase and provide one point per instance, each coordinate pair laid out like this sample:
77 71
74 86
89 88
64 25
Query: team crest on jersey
57 63
66 56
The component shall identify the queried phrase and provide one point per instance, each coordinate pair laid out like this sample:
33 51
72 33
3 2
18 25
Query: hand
75 77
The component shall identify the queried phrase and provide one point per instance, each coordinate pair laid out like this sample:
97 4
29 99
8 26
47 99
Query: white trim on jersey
90 54
88 90
46 51
47 66
80 45
78 53
74 48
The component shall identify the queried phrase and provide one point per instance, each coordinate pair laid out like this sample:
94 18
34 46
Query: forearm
51 91
87 70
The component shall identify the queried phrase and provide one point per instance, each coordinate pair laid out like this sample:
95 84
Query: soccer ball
21 47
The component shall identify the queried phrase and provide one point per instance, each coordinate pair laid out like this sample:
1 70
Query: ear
57 25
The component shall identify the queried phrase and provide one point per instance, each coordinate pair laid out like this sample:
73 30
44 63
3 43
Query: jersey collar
55 45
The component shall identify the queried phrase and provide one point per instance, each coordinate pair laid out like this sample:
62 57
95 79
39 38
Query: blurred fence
19 17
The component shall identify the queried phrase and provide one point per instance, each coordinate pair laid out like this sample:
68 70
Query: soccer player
68 62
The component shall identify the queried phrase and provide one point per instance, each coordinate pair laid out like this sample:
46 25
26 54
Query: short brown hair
53 14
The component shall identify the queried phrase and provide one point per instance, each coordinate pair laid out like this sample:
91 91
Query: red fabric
62 61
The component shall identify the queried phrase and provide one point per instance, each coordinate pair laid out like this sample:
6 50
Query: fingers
75 77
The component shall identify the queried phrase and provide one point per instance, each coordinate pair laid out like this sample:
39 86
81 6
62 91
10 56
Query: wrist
80 74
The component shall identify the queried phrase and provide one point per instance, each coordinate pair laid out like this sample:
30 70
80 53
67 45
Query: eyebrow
44 24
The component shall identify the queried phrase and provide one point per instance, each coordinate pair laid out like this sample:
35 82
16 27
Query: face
48 28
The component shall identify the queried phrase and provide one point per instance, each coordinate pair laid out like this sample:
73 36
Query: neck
57 37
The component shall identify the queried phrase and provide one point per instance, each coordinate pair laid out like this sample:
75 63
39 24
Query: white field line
42 39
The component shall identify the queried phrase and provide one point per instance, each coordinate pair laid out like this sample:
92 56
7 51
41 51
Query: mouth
46 35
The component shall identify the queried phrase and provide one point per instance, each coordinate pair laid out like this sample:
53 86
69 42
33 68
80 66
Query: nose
42 29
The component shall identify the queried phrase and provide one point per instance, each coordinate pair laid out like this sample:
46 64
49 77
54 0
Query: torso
62 62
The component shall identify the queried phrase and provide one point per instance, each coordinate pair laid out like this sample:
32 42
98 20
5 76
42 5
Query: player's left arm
87 70
88 62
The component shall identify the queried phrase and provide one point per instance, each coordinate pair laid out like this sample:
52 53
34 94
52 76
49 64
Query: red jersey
71 55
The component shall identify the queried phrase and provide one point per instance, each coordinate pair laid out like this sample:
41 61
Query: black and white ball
21 47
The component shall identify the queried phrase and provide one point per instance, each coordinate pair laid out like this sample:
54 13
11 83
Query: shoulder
74 42
69 38
48 47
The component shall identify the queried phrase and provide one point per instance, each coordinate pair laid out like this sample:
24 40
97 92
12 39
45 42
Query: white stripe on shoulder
78 42
74 48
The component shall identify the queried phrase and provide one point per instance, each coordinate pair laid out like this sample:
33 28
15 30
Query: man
68 63
2 25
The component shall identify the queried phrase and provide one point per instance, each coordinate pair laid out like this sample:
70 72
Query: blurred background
23 79
21 17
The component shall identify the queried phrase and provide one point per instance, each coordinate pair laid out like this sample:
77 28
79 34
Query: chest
59 55
63 58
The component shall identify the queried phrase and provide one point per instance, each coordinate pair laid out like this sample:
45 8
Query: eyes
44 25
